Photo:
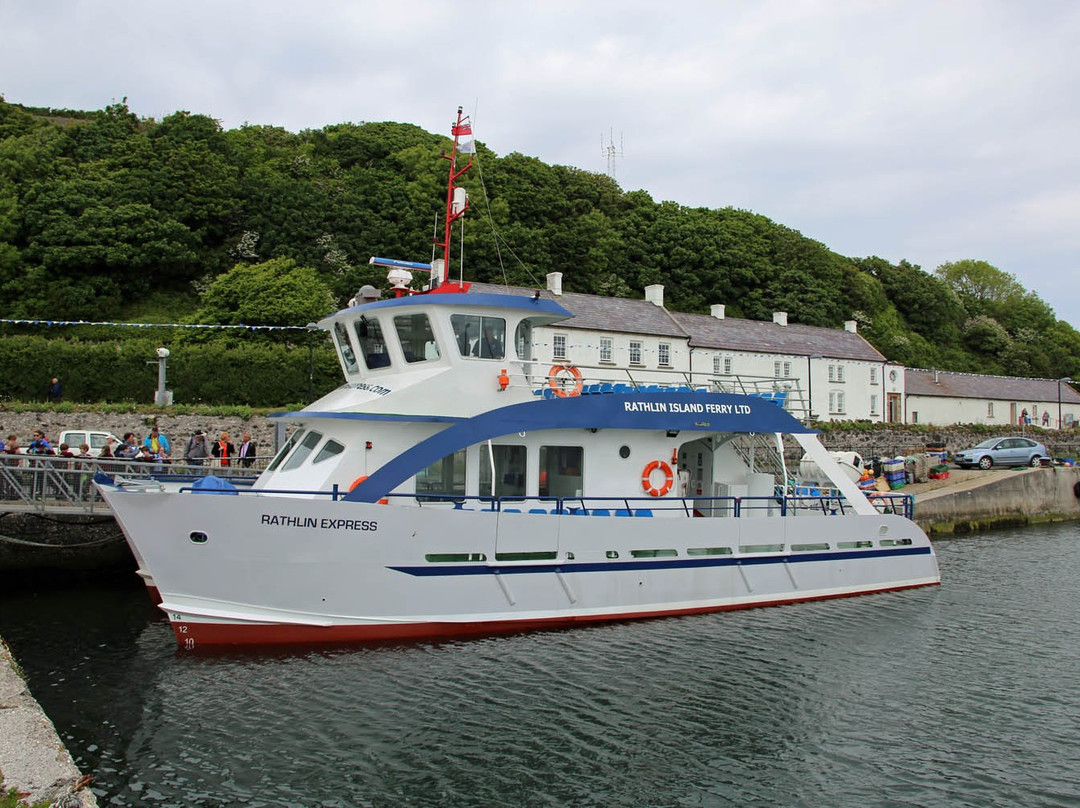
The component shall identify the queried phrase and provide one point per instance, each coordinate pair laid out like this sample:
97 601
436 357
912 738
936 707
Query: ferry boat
455 485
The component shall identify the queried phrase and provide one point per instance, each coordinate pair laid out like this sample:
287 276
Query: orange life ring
359 480
646 479
556 383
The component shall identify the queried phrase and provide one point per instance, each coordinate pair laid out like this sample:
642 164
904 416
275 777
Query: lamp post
312 328
1059 381
810 387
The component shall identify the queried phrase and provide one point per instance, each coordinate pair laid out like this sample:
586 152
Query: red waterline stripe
196 635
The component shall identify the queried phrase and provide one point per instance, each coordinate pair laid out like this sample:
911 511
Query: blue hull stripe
438 570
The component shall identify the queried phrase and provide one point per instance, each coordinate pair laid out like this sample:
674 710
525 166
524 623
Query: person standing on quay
56 392
223 450
157 443
248 450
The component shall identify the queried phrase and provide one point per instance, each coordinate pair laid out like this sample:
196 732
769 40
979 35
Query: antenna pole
461 127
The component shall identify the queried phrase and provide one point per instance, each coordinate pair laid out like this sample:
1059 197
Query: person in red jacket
223 450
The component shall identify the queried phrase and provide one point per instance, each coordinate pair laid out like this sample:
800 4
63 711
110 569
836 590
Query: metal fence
64 485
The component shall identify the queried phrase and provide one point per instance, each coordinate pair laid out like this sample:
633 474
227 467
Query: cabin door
694 477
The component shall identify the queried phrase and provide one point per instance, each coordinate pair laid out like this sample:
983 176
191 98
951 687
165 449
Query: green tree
275 292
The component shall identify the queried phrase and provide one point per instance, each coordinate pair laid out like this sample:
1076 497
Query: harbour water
966 694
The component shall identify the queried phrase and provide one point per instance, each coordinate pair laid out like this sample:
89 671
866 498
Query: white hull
275 569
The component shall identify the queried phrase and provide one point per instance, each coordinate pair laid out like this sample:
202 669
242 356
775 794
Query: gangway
45 484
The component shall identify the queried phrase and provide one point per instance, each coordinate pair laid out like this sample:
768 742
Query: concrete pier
972 500
32 757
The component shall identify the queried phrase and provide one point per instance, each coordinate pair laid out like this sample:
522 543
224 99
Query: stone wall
901 441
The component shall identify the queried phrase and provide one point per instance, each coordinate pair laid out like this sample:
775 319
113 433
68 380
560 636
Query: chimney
852 326
779 317
717 310
655 294
554 283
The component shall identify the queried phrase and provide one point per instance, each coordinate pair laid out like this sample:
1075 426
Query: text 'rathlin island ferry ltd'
455 486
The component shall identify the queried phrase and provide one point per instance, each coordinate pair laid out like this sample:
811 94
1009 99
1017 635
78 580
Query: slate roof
733 334
621 315
920 382
600 313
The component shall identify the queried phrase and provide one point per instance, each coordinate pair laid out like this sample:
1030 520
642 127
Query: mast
457 201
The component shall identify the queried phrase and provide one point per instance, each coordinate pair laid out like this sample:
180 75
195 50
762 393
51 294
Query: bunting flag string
157 325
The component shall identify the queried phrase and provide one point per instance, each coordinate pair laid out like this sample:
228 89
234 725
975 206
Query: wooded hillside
106 216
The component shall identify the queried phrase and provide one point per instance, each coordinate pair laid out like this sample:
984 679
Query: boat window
561 471
707 551
483 337
444 558
330 449
854 545
372 345
806 548
416 337
535 555
306 447
289 444
761 548
510 464
894 542
445 477
666 553
341 335
523 339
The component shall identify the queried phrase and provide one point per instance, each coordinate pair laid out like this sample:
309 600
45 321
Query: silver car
1008 451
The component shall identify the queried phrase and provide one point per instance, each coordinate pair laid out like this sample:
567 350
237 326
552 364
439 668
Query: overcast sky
926 131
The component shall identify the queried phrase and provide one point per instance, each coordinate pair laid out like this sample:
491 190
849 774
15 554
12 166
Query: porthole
198 537
624 452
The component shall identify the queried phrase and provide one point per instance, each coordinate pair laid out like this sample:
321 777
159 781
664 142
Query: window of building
561 471
445 477
722 365
341 336
663 355
482 337
635 352
873 376
836 403
873 404
836 373
606 352
782 370
509 463
416 337
914 417
369 335
989 409
558 346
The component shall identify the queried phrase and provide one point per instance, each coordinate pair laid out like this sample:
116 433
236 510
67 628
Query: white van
74 438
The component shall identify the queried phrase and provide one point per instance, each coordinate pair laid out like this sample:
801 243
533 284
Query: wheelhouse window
482 337
445 477
330 449
561 471
509 467
345 349
416 337
369 335
523 340
288 447
303 451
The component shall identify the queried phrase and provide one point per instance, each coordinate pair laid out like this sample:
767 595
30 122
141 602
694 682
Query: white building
834 374
940 397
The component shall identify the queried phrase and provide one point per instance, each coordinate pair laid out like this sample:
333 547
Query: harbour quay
33 760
